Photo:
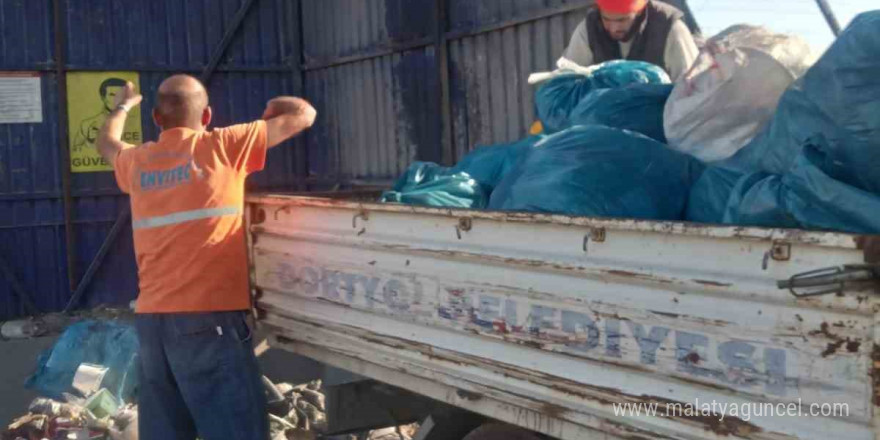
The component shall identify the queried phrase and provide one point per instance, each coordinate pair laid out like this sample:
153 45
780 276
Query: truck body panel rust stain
602 395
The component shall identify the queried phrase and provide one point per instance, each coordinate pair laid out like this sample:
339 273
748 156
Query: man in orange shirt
198 374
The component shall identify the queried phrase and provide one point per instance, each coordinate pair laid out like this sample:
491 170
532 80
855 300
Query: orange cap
621 6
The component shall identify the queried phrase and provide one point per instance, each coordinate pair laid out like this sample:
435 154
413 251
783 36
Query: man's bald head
181 102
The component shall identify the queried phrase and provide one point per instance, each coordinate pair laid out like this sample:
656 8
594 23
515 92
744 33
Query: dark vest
648 36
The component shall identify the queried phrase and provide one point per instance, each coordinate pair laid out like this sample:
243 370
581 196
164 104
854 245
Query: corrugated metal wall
156 38
375 113
393 81
375 70
373 67
492 101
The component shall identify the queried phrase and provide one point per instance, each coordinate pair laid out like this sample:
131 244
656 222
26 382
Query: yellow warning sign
90 98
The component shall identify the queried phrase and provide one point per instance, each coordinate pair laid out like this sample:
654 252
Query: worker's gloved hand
129 97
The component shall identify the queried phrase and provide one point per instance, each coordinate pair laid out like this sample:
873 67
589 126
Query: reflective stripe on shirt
185 216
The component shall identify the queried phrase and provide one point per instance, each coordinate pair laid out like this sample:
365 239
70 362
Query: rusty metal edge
792 236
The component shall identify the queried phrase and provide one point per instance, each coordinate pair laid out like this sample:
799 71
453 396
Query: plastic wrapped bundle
113 345
429 184
838 99
557 97
600 171
488 165
637 108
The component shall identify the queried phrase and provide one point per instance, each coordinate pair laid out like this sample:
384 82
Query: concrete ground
18 359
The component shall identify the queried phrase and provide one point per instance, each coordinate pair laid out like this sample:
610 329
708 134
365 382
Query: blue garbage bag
113 345
466 185
556 98
839 99
804 197
759 199
488 165
817 164
599 171
429 184
710 194
636 107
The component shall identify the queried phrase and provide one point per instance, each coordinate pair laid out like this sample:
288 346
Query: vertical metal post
299 78
830 17
441 51
59 13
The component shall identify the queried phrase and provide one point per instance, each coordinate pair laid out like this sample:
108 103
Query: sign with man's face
91 96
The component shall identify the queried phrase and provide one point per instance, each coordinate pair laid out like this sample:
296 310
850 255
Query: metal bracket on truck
832 280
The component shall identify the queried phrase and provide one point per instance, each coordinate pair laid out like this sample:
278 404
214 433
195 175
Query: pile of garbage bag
599 171
755 135
637 108
467 185
817 164
620 103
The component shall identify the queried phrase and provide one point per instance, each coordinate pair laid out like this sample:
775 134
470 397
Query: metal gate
65 238
393 81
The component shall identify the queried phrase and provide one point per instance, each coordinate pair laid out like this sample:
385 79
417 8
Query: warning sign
21 99
90 98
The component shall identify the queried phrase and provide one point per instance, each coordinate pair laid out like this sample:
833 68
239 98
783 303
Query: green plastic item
102 404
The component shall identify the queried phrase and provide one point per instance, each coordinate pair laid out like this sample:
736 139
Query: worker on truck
642 30
198 373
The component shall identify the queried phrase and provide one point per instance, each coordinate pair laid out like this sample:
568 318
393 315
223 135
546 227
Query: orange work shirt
187 204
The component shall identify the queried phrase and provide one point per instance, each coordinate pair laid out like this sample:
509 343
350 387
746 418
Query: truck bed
553 323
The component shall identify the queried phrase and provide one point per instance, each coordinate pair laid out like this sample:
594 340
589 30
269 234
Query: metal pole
830 17
441 52
63 142
300 82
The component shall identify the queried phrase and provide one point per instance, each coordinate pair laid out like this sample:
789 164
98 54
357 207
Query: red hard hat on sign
621 6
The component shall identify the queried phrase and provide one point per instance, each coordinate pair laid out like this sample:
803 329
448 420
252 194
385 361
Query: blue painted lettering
490 308
370 286
737 355
577 323
396 295
736 363
774 362
612 338
349 284
648 344
330 284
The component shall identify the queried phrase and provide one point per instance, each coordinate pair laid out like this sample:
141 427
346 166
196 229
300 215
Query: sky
800 17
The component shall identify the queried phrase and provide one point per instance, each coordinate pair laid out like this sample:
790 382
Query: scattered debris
87 402
298 411
100 416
